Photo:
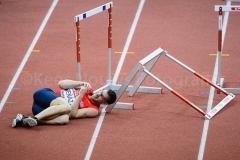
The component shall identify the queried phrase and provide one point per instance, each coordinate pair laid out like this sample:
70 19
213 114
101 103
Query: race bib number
69 95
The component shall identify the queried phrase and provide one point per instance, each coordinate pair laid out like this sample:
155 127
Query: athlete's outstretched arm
66 84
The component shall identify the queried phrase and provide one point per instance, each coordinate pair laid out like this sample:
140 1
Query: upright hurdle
110 84
220 9
85 15
151 59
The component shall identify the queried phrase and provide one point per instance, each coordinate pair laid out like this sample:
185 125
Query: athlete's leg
57 107
61 119
47 105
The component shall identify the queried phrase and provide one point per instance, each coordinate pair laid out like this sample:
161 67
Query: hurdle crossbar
93 11
220 9
227 8
151 59
151 56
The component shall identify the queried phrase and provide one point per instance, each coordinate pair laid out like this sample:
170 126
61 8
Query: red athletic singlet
70 95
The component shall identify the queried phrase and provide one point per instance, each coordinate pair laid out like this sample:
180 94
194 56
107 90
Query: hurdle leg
233 90
124 86
78 48
145 60
219 53
143 76
109 42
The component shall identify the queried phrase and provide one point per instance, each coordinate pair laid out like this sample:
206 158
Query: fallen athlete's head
112 96
107 96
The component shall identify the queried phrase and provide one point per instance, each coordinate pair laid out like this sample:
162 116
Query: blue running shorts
42 99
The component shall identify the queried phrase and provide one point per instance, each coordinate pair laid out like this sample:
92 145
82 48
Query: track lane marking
129 38
103 112
211 95
28 53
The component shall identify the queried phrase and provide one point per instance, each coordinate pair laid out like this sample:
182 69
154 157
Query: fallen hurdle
226 9
151 59
110 84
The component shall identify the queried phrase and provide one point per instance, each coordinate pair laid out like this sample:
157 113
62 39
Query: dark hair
112 96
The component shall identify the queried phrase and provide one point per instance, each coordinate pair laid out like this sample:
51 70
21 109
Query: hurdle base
129 106
121 105
220 84
233 90
233 0
230 90
219 106
141 89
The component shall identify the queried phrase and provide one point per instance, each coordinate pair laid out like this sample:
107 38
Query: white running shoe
17 121
30 121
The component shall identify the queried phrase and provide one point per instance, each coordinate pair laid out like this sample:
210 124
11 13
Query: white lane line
206 122
95 134
211 95
28 53
125 49
103 112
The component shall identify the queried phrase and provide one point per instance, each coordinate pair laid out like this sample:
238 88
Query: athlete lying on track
75 99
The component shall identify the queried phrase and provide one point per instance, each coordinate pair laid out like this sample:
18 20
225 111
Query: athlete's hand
87 85
83 90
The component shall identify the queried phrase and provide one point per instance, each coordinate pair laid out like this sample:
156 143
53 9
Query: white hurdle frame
110 84
151 60
233 0
220 9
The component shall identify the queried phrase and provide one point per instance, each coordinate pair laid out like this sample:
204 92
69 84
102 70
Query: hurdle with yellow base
220 9
151 59
110 84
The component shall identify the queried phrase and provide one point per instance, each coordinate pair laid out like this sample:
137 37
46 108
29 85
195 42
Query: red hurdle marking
110 27
235 8
109 41
209 82
189 103
219 53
